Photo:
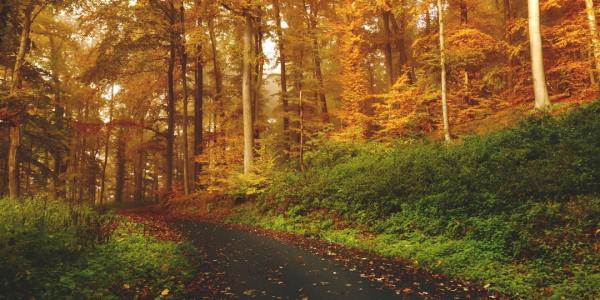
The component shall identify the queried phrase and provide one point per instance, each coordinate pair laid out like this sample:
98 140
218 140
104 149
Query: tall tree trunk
15 129
316 52
107 143
183 58
389 59
464 12
542 100
247 94
138 195
302 167
198 114
591 14
403 57
170 103
508 16
120 167
218 85
198 100
58 116
258 59
443 71
282 62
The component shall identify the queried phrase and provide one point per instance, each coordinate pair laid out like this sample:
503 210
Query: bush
525 199
49 250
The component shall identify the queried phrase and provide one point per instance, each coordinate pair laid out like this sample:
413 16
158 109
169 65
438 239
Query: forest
438 148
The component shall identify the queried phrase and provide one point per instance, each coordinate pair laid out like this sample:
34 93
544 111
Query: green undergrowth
49 250
517 210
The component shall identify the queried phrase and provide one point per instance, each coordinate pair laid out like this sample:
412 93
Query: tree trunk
257 75
316 52
138 195
389 59
198 101
542 101
57 183
282 62
120 167
302 168
170 104
464 12
443 72
107 143
247 94
591 14
403 58
15 129
183 58
508 16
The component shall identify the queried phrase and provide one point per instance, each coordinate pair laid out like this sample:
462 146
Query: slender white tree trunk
542 100
591 14
247 96
443 67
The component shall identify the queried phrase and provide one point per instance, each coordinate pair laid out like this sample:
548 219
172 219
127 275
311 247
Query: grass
49 250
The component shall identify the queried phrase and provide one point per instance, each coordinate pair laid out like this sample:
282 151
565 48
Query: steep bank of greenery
49 250
517 210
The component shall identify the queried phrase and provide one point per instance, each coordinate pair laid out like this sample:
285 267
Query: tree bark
170 103
312 27
107 143
542 100
199 96
403 57
302 167
183 58
464 12
120 167
258 65
443 72
591 15
138 195
247 95
389 59
15 129
508 16
282 62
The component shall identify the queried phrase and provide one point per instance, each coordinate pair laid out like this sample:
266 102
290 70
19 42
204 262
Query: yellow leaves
165 292
126 286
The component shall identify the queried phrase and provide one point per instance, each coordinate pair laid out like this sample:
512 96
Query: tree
445 121
542 101
247 93
198 96
591 15
282 66
183 60
29 12
171 15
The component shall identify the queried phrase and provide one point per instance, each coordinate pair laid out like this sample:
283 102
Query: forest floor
239 261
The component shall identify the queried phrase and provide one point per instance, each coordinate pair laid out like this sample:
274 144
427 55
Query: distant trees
366 70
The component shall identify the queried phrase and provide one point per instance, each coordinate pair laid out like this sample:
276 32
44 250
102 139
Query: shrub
50 250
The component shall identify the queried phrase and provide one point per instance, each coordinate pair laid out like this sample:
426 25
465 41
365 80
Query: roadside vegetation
516 210
50 250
